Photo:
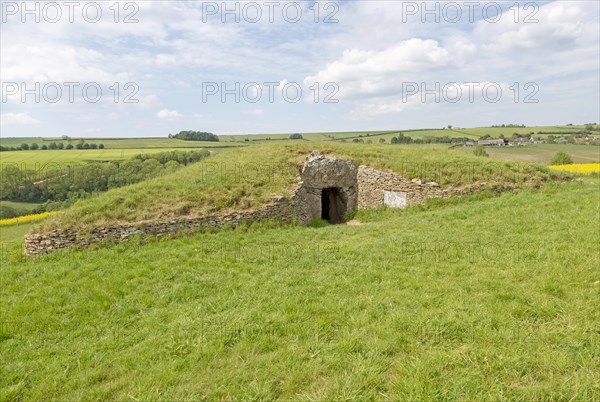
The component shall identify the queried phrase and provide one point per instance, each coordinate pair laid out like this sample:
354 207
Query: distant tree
79 145
34 146
170 135
53 145
44 147
101 146
94 146
25 147
196 136
69 146
61 145
402 139
561 158
449 126
382 140
66 138
86 146
296 136
480 151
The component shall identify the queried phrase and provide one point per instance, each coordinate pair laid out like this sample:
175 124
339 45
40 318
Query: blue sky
368 57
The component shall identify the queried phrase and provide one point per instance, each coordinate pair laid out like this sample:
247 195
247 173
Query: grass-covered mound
246 178
493 299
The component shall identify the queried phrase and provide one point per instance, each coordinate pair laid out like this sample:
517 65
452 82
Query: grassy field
26 206
488 299
13 235
543 153
38 159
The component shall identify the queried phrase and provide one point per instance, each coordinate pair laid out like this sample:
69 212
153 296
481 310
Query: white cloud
368 72
17 119
254 112
148 101
53 62
167 114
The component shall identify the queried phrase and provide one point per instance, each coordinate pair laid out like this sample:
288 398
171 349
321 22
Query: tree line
53 145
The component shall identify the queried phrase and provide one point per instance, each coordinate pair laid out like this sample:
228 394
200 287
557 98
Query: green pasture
492 298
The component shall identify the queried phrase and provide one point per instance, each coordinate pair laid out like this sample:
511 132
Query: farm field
243 139
543 153
583 168
33 159
20 205
473 133
295 312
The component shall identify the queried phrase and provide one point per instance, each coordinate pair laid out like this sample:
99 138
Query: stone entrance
328 189
333 205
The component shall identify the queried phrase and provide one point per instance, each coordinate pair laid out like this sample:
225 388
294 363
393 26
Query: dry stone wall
372 184
280 209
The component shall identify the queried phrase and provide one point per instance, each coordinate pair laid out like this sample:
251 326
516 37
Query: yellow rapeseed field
585 168
26 218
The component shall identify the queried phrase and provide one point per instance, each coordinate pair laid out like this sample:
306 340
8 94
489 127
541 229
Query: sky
150 68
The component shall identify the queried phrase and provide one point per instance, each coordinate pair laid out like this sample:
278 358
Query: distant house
470 143
493 143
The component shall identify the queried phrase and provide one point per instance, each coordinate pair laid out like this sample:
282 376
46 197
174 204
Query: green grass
38 159
25 206
247 177
489 299
14 234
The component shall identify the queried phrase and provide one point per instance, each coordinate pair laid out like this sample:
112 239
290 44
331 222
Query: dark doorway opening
333 205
